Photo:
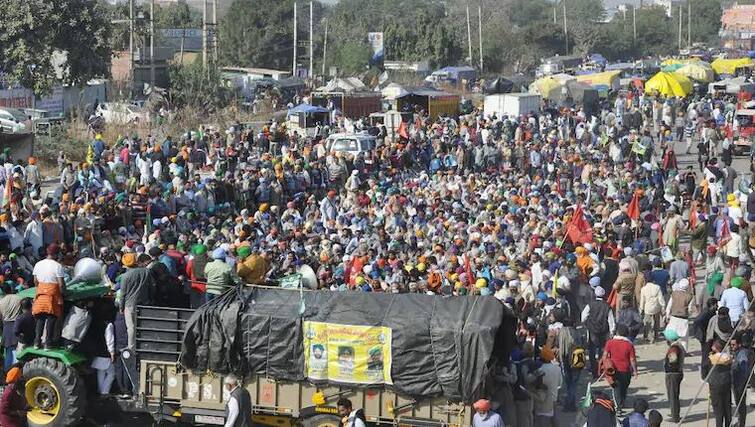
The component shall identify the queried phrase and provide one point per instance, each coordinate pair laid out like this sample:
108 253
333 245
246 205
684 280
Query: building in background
738 27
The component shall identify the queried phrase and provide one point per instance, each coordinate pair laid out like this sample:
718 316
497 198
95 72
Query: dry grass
73 136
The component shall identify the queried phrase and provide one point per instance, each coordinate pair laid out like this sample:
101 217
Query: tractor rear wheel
55 393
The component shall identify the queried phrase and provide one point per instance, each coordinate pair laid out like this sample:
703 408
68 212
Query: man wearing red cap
48 302
484 417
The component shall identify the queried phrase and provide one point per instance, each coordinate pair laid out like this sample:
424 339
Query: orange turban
13 375
129 259
547 354
482 405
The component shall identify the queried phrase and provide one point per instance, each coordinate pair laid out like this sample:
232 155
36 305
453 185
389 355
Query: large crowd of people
569 217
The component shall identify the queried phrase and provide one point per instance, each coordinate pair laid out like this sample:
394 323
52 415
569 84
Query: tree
42 41
259 33
177 15
706 20
584 23
191 85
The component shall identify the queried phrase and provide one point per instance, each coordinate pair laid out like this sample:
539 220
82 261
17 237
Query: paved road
650 384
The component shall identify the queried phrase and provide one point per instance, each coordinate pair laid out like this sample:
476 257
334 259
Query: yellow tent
729 66
669 84
605 81
547 87
699 71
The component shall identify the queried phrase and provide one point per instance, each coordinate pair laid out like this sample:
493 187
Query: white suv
14 121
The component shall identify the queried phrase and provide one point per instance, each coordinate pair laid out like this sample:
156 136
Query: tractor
55 389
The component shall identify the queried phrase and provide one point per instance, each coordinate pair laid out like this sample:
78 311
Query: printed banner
378 49
347 353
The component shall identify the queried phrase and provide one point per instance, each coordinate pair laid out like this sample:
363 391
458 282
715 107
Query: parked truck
275 335
511 104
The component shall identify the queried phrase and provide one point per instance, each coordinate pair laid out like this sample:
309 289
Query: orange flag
578 229
633 211
402 131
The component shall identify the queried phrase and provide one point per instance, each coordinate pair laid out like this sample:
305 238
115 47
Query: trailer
170 389
352 104
172 394
512 104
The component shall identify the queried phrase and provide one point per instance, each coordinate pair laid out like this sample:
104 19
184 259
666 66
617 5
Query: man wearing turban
484 417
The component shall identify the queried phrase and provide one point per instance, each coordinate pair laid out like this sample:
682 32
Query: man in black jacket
599 322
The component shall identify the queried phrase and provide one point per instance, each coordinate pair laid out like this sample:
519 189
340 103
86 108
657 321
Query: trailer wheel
55 393
322 420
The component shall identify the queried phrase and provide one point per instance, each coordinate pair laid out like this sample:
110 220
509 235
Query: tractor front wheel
54 392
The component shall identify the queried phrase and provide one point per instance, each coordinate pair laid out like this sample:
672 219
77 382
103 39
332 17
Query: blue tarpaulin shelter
307 109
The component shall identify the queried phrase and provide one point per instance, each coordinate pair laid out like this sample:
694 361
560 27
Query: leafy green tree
177 15
191 85
706 20
259 33
34 32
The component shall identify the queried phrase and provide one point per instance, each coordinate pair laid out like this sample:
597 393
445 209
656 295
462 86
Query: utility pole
131 41
634 25
479 25
296 40
204 34
324 49
555 19
566 33
689 23
311 42
469 35
215 31
680 27
152 44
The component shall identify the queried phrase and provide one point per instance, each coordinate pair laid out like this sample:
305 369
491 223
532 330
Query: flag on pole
633 211
693 216
578 229
586 402
725 233
402 131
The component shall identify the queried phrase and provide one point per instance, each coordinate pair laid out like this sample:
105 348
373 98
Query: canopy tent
674 64
732 86
574 92
699 71
393 91
499 85
669 84
602 82
547 87
730 66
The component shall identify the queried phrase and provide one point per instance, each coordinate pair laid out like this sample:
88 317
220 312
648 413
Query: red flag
468 269
402 131
725 233
612 298
693 216
578 229
633 211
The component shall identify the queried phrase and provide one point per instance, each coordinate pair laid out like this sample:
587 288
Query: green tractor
55 389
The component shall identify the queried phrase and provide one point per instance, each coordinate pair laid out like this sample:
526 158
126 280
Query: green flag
586 402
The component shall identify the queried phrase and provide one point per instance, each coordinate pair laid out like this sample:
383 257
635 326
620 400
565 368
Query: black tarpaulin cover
440 346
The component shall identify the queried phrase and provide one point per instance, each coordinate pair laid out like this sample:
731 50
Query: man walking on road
600 323
740 372
621 352
673 365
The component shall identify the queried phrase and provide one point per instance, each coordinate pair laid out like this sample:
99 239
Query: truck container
173 394
511 104
353 104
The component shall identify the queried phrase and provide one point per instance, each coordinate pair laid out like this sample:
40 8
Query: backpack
578 360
